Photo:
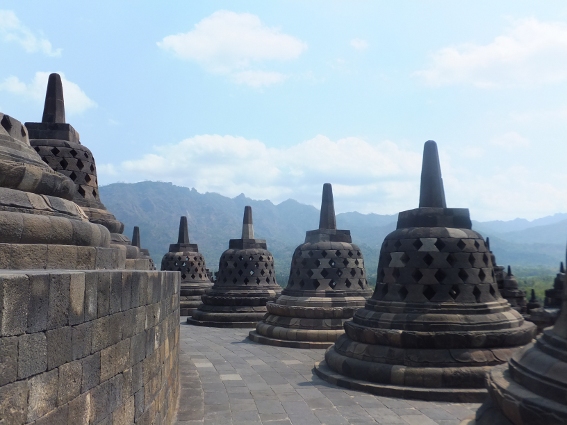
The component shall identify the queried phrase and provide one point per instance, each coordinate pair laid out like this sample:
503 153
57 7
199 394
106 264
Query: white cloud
76 101
511 140
12 30
359 44
232 165
233 44
529 53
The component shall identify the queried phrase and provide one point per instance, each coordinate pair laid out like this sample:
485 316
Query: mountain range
214 219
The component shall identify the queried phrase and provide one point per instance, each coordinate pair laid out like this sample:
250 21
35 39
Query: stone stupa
436 322
246 280
58 145
327 284
185 257
513 294
532 388
545 316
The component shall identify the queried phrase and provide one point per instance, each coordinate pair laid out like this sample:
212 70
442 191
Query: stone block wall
88 347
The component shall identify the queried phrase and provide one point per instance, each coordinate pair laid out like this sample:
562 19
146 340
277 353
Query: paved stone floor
228 380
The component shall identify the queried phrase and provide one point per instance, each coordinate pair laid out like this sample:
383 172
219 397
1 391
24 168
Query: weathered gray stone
14 402
81 336
32 354
39 302
42 394
77 299
14 300
59 347
59 295
8 360
91 372
70 376
91 303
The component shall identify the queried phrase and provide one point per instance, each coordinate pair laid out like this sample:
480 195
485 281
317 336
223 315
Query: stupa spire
183 237
136 237
247 226
431 193
561 268
327 219
54 108
510 271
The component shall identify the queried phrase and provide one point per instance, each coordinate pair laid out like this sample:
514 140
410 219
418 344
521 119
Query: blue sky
273 99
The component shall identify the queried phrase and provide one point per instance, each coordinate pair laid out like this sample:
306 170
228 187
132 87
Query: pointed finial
431 193
54 108
488 243
183 237
327 219
561 268
247 226
533 299
510 271
136 237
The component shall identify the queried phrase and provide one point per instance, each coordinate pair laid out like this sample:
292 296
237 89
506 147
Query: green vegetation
538 278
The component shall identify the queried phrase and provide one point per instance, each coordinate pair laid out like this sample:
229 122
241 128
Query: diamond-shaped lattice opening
73 152
396 273
256 265
472 260
454 291
324 273
339 272
37 149
94 193
262 272
240 272
225 264
92 168
485 259
80 164
461 244
55 151
81 191
258 281
268 279
297 272
356 262
463 275
417 275
476 292
310 253
439 244
73 176
397 244
301 283
482 275
317 263
23 132
86 155
87 178
241 258
440 275
428 259
246 281
352 272
245 264
310 273
251 272
348 283
345 262
476 245
234 280
250 258
429 292
359 254
332 284
350 253
183 276
63 163
235 264
324 254
451 260
6 122
338 253
192 276
304 262
332 263
384 290
417 244
492 291
316 284
403 293
261 258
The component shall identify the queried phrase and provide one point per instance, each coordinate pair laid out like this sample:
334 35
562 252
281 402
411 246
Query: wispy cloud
76 101
530 52
235 44
359 44
12 30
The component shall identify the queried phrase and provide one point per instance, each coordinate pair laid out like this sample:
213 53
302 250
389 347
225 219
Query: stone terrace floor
228 380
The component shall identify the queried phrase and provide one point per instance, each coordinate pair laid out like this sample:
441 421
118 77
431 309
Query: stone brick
139 404
115 330
80 410
58 416
58 314
135 288
8 360
70 375
128 323
86 257
61 257
124 415
81 336
116 391
138 348
91 372
39 302
103 294
28 257
14 403
140 319
100 401
137 382
122 353
128 382
59 347
91 288
126 290
42 394
32 354
100 334
77 299
14 301
115 292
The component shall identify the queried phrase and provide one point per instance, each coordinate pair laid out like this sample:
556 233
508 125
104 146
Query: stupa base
256 337
213 324
455 395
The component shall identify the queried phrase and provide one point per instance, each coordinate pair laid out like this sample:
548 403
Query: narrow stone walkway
228 380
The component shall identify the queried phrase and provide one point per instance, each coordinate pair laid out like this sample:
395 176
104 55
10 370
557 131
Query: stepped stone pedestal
246 280
532 388
82 340
436 322
327 284
546 316
185 258
58 144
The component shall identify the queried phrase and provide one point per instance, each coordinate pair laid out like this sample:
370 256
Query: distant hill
214 219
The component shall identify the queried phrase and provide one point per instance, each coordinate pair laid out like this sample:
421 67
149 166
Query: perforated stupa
327 284
436 322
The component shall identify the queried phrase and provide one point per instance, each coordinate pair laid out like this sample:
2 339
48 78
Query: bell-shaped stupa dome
436 322
327 284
